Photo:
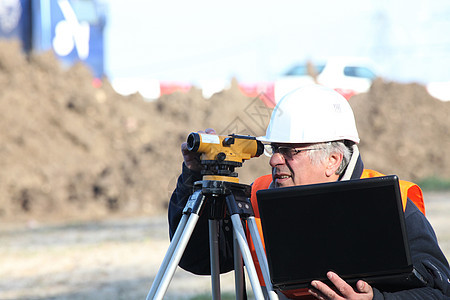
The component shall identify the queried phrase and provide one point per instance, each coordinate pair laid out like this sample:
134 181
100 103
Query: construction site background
73 150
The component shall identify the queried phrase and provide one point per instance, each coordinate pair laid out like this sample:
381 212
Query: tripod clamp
217 191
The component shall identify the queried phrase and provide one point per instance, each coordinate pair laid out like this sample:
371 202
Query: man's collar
358 170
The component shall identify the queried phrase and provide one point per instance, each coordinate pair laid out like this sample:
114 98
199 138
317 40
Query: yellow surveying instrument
219 195
220 155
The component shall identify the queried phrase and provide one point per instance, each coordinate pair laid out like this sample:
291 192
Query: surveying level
218 196
220 155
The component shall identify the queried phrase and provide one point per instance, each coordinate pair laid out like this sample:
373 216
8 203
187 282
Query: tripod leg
254 233
214 258
238 270
176 257
250 266
165 263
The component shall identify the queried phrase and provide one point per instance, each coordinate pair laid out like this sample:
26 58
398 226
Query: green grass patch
434 184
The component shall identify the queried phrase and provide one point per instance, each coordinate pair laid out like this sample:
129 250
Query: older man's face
292 167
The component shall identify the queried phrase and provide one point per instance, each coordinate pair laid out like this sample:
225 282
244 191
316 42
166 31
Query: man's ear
333 163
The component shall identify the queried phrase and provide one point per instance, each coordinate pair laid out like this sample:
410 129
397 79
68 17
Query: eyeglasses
286 152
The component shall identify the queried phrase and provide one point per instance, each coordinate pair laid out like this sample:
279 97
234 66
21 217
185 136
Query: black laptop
355 228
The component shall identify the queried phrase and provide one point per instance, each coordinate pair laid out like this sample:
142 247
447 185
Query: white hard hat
311 114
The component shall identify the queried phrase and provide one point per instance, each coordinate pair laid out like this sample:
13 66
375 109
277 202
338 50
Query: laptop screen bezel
329 189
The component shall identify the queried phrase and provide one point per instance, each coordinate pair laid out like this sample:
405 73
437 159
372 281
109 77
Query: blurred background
97 96
260 40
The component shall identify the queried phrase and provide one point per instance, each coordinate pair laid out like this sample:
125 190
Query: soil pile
70 148
403 130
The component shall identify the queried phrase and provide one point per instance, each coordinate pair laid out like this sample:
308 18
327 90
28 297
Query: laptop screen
355 228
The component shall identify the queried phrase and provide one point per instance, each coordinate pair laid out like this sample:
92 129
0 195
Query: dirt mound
403 130
69 148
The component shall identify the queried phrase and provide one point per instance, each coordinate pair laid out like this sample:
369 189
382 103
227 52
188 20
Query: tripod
220 197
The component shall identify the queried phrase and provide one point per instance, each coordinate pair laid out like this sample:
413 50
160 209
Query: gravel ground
116 258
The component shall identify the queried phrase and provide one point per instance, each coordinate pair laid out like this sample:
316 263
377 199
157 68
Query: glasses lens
272 149
285 151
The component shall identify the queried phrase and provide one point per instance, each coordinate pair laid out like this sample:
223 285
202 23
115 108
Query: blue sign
77 32
73 29
15 21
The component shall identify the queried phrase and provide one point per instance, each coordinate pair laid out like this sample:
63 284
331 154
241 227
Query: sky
188 41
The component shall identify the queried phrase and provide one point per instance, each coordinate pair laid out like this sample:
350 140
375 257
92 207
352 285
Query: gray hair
328 148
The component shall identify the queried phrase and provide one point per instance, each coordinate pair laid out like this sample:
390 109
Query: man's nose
276 159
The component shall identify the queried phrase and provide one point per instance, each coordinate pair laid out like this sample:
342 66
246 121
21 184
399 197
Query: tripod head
220 155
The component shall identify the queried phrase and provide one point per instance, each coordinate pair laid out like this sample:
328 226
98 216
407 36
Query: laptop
355 228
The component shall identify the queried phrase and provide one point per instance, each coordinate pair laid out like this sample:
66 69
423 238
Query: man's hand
192 159
342 290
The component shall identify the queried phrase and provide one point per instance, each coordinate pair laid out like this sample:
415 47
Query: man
313 139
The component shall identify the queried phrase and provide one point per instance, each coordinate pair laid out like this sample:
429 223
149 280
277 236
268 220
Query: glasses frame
286 151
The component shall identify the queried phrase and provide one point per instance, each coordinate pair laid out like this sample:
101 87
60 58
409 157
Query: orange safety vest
407 190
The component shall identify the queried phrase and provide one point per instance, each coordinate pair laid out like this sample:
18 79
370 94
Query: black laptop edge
404 278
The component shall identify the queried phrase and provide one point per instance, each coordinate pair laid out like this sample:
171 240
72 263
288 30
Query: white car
349 75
